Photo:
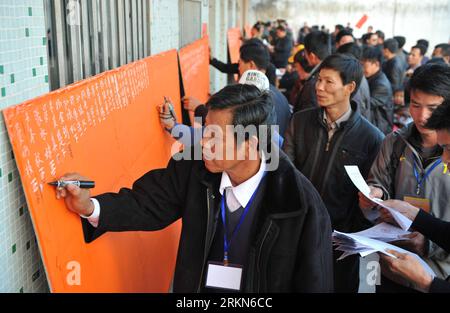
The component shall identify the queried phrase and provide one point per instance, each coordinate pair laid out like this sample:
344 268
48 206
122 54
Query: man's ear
314 58
252 148
253 65
351 86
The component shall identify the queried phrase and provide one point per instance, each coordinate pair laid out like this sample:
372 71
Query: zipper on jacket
330 159
207 241
327 147
259 256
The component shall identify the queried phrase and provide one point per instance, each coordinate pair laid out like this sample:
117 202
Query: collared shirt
239 196
333 126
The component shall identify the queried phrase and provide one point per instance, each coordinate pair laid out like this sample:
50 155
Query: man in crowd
409 166
322 140
317 48
415 58
282 48
371 39
442 52
406 267
344 37
394 70
241 213
381 104
362 95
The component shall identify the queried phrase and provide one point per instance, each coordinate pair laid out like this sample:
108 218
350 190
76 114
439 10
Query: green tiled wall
23 76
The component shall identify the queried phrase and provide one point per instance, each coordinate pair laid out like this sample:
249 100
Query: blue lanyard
424 177
226 242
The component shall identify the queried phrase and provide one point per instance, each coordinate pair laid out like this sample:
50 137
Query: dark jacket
227 68
437 231
356 142
394 70
307 97
433 228
282 51
290 249
362 98
282 109
233 68
381 104
403 56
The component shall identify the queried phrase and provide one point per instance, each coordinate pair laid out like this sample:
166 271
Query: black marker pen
80 183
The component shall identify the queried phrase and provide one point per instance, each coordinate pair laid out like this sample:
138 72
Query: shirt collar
343 118
244 191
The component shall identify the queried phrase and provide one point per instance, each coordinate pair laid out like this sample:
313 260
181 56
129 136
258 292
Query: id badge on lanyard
426 174
225 275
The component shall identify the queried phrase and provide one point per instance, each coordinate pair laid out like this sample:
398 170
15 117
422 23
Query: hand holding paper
357 179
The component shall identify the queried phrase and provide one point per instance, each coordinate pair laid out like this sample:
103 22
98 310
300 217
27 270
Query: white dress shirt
237 196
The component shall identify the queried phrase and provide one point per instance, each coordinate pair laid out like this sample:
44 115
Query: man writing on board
249 225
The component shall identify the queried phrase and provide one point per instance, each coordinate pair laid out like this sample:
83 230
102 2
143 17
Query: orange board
106 128
234 43
194 64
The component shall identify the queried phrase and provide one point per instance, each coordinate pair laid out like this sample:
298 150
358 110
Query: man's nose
319 85
424 115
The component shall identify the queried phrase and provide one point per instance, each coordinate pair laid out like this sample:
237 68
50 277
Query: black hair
369 35
257 26
352 49
391 45
318 43
372 54
340 27
348 67
380 34
423 42
300 58
421 48
440 119
445 47
400 40
254 50
364 38
343 33
281 28
432 78
248 104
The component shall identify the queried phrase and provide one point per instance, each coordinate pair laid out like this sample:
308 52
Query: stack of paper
374 239
351 244
384 232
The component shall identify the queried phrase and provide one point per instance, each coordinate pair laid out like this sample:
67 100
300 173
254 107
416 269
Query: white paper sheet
357 179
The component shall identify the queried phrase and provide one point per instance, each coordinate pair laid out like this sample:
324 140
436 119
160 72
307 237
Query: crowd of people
335 100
